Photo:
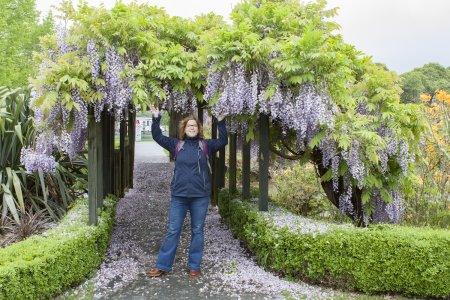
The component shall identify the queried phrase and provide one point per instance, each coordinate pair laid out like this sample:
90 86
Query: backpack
201 145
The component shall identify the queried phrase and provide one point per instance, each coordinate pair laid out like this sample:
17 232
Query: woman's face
191 129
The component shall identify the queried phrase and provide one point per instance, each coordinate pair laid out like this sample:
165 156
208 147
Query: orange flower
425 97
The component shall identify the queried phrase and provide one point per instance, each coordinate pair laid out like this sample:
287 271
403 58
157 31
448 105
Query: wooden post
264 162
107 150
123 133
131 141
232 164
245 168
200 114
92 169
173 128
214 166
117 184
99 169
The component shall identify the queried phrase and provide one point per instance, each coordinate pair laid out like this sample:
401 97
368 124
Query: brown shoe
155 272
194 273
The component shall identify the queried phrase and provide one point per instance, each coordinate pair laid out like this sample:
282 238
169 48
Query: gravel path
228 272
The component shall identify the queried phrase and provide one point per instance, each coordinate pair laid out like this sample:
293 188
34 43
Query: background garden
376 141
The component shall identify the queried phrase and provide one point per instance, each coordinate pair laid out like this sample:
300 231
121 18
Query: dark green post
214 166
264 162
200 114
222 168
123 134
131 141
245 168
107 150
232 164
99 170
92 169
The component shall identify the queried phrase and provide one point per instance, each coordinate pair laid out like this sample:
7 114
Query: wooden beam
122 155
214 167
264 162
245 168
232 164
99 161
107 161
92 169
200 114
132 140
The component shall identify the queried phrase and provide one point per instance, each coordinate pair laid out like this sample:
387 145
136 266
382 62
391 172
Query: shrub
43 266
377 259
298 190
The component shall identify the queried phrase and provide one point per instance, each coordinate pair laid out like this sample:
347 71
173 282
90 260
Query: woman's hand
155 111
221 117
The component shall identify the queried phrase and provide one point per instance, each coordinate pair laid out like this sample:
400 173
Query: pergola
111 166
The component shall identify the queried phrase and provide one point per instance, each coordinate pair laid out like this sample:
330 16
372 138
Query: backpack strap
202 145
178 148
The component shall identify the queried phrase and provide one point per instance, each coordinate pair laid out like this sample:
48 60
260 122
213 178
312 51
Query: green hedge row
378 259
45 265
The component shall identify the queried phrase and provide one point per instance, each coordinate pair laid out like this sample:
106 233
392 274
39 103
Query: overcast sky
403 34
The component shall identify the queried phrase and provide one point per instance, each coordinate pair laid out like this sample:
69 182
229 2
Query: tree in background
20 30
425 80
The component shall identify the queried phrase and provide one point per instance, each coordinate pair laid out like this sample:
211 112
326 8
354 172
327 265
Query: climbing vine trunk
357 213
232 164
263 162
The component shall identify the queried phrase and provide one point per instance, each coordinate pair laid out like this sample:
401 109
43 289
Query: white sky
403 34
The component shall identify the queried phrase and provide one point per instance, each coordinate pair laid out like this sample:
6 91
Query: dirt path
227 270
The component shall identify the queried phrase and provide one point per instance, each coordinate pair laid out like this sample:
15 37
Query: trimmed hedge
45 265
377 259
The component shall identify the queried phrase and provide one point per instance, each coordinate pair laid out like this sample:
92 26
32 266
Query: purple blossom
33 161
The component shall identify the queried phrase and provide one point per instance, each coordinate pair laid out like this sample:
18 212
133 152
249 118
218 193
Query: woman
190 188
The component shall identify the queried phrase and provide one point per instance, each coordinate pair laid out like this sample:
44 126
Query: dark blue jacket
191 174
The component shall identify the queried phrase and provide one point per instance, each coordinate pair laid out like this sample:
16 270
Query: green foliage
20 31
159 51
378 259
424 80
297 189
297 44
45 265
19 189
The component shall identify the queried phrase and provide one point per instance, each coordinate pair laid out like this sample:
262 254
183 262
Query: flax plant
19 189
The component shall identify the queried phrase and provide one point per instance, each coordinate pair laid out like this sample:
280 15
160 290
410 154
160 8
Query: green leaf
18 130
316 139
365 196
344 142
327 176
8 201
41 178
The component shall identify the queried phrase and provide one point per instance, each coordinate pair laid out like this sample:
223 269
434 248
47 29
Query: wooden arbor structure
110 159
111 163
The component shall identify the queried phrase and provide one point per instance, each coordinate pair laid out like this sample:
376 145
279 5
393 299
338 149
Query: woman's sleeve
222 141
168 143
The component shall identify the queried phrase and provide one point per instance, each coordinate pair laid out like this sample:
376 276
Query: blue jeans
178 208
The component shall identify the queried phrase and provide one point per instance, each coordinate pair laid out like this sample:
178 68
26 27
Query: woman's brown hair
183 124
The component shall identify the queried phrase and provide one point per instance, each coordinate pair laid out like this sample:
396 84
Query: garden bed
378 259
